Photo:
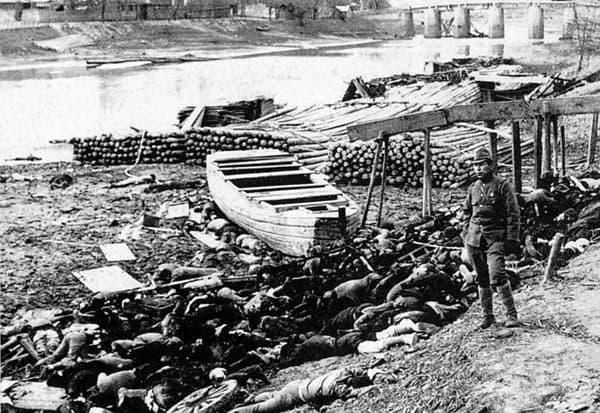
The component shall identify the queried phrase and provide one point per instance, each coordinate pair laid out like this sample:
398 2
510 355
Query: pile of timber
318 137
331 120
352 163
192 146
242 111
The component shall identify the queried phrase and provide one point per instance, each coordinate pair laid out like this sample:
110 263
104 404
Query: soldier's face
482 169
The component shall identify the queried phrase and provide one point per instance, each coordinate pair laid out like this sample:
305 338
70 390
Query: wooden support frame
554 122
386 143
497 111
516 156
546 143
591 154
563 151
537 151
426 211
380 136
542 110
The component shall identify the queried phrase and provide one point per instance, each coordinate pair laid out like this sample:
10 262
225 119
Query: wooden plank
107 279
516 157
261 168
554 121
295 192
563 153
238 156
427 174
269 188
386 148
266 175
475 112
117 252
272 161
537 151
546 145
287 207
390 126
190 122
522 110
493 142
372 180
298 195
591 153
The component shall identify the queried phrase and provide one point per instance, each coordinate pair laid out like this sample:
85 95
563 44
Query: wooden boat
272 196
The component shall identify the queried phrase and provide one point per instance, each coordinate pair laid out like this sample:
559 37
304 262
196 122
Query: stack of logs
191 146
345 162
351 162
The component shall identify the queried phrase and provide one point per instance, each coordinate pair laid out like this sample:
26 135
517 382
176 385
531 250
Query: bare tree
587 30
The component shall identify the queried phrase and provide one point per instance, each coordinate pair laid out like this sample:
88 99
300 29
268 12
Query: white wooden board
178 211
117 252
107 279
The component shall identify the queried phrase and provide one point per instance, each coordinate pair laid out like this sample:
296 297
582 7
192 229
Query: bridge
461 19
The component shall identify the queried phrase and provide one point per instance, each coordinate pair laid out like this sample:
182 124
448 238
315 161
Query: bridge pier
536 22
497 50
407 25
496 22
462 23
568 23
433 24
463 50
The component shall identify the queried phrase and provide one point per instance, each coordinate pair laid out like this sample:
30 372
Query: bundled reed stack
352 162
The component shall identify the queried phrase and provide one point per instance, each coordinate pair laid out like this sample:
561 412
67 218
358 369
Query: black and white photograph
259 206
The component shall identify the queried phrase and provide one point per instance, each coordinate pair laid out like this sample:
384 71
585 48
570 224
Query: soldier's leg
483 281
498 279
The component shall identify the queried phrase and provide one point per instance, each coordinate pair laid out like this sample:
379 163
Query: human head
482 163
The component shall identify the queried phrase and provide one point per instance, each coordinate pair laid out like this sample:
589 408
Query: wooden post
546 147
554 122
427 174
372 181
516 156
557 241
563 151
342 221
537 151
493 141
591 155
386 142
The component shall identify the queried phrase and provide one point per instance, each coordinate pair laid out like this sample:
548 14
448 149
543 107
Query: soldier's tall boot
505 293
487 306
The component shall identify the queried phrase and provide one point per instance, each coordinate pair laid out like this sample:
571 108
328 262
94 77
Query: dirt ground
551 364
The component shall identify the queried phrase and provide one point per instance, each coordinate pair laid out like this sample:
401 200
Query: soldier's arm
513 212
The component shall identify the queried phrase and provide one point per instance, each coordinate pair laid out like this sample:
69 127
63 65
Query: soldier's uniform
493 218
493 221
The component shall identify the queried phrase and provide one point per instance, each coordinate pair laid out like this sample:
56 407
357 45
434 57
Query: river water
64 99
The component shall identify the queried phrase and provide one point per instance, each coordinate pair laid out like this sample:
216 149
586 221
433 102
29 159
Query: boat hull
291 230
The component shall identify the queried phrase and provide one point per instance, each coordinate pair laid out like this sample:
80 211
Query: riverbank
169 38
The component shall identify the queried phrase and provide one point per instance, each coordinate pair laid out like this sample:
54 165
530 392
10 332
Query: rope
139 156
